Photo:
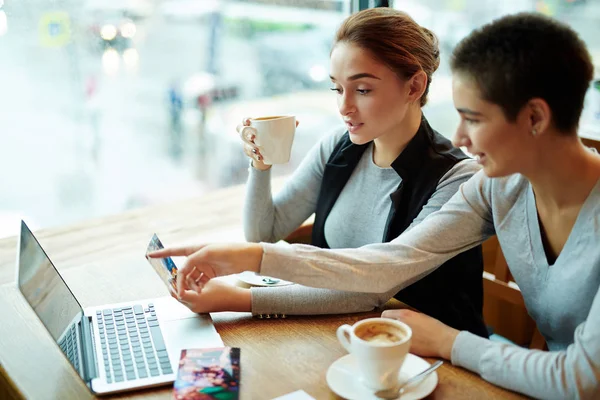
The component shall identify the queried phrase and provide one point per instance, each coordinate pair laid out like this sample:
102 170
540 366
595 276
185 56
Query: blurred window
109 105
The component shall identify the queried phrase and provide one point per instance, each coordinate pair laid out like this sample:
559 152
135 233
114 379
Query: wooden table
102 261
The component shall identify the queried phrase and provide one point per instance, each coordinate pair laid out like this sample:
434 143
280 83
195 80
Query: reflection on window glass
109 105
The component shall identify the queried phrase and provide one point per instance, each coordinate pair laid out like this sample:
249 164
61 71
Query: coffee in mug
267 118
274 136
380 333
379 346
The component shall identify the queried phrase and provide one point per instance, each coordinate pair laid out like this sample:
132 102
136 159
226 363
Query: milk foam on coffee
380 333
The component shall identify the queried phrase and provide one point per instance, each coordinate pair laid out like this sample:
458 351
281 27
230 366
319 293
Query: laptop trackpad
189 333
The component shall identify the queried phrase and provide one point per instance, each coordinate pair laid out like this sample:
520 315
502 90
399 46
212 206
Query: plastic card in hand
165 267
208 374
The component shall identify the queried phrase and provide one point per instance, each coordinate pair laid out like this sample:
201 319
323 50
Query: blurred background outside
109 105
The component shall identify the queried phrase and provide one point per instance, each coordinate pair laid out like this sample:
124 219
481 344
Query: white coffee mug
379 361
273 137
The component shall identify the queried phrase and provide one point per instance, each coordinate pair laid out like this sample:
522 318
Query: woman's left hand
430 337
216 295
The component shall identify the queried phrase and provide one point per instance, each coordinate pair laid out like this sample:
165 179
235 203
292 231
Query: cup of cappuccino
379 346
273 137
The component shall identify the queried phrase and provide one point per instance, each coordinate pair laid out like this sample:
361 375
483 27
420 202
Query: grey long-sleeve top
563 298
357 218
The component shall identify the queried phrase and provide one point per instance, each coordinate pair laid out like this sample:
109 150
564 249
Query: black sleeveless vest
453 293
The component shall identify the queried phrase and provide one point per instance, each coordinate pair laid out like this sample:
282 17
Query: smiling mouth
353 127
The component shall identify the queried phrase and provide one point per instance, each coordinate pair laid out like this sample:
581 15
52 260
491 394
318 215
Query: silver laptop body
114 347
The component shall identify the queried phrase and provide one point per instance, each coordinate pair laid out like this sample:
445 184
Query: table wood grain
103 261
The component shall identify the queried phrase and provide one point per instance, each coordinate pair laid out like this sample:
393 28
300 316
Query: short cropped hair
523 56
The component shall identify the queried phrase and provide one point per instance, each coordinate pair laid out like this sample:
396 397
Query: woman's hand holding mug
278 137
250 147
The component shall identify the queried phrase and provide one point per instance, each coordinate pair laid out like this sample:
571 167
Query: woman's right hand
207 261
250 147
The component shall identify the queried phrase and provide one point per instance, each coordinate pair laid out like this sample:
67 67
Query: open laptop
114 347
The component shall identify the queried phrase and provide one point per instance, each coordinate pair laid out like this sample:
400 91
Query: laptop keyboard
132 343
68 344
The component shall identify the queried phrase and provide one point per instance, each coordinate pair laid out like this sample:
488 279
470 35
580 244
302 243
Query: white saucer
342 378
254 279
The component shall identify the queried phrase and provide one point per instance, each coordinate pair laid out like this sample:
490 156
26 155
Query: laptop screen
43 287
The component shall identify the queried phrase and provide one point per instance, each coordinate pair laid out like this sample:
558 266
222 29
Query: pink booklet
208 374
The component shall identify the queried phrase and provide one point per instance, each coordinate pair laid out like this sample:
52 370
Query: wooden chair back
595 143
303 234
500 288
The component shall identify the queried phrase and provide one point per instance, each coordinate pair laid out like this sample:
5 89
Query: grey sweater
268 218
563 298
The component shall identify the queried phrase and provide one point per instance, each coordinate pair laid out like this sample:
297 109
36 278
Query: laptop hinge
89 361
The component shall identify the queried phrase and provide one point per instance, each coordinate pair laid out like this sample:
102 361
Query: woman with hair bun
381 173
